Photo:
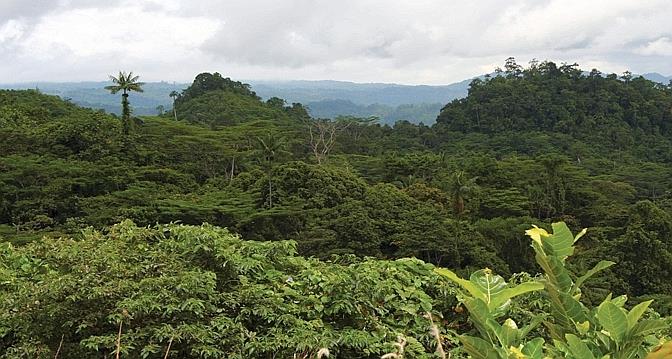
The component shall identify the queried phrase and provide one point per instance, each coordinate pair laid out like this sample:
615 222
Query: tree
174 95
269 150
323 135
460 187
125 83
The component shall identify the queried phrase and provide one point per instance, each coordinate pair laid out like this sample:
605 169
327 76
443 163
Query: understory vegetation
331 235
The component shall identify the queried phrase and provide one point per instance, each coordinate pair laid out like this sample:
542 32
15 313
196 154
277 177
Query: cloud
420 41
18 9
661 46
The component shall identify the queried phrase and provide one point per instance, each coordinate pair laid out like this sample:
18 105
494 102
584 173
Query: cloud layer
421 41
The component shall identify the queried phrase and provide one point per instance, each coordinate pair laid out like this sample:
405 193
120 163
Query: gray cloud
17 9
420 41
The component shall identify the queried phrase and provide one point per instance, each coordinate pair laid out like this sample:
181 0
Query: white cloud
128 31
661 46
11 31
420 41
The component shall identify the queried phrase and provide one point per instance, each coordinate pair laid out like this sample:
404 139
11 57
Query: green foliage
535 145
209 294
574 330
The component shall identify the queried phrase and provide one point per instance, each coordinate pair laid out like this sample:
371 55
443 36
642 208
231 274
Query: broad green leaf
483 320
647 327
613 320
636 312
562 346
534 348
555 271
478 348
470 287
602 265
508 334
620 300
488 283
509 293
578 348
561 243
565 309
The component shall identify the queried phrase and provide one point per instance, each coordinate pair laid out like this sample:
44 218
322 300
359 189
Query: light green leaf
636 312
483 320
488 283
509 293
555 271
478 348
561 243
578 348
602 265
508 334
613 320
647 327
470 287
580 234
565 309
534 348
620 300
583 327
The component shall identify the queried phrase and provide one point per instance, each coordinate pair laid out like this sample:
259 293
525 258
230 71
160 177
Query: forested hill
532 146
606 113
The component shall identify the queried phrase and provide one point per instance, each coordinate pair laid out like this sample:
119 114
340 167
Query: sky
394 41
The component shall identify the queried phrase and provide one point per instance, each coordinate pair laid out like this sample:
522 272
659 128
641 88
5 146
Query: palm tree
174 95
459 188
269 150
125 83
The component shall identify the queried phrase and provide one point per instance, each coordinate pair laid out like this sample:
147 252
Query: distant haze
324 99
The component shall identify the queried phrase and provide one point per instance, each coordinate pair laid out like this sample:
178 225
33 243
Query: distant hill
324 99
360 93
415 113
93 94
389 102
656 77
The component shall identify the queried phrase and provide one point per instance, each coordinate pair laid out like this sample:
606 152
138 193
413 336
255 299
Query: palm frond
125 82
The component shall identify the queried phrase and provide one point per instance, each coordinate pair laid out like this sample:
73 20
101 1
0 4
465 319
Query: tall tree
269 150
323 135
125 83
174 95
459 187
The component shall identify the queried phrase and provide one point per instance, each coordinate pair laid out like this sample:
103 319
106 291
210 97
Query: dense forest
232 227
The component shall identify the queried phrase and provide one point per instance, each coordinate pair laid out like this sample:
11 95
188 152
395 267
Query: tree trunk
125 113
233 167
270 192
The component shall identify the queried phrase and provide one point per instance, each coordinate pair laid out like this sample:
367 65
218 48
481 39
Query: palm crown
125 83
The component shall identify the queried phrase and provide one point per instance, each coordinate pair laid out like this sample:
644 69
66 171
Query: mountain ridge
390 102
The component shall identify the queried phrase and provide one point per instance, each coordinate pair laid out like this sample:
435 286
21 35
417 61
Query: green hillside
331 215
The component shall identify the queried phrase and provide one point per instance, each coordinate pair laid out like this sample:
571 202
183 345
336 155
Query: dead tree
323 136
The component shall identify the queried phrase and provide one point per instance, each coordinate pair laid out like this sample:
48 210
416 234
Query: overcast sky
402 41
